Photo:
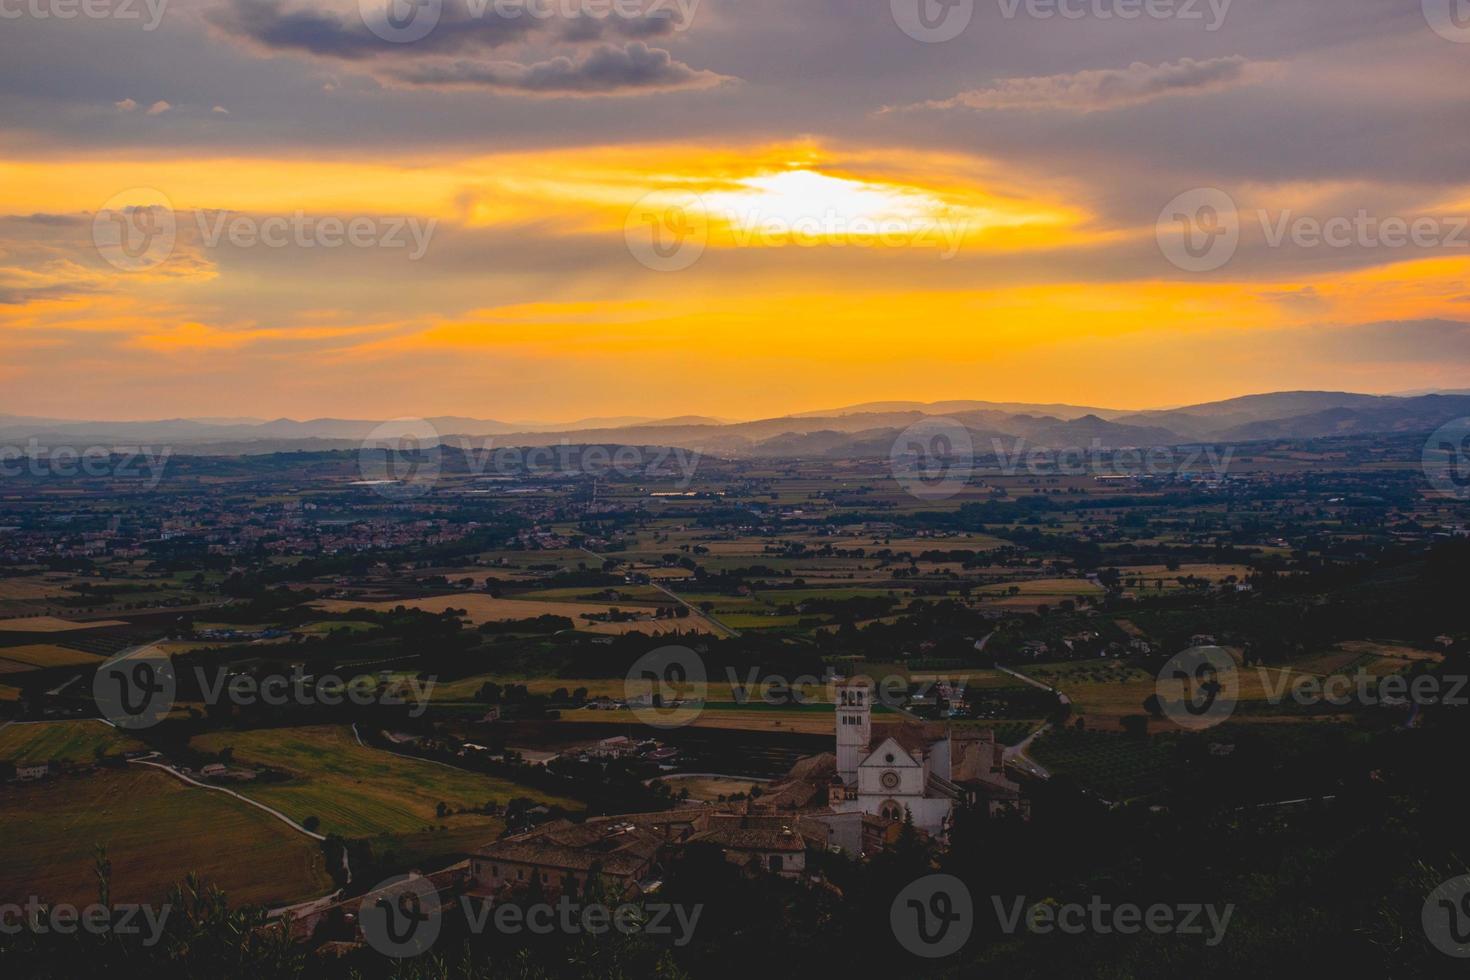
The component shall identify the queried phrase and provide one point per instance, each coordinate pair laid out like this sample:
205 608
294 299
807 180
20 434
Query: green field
157 830
363 792
1115 766
62 741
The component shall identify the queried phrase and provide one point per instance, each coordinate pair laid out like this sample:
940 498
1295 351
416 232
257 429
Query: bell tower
854 726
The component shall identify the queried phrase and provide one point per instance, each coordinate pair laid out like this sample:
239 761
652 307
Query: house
777 844
626 852
39 770
212 770
614 748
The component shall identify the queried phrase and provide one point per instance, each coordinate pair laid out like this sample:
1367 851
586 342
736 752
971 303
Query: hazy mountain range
867 429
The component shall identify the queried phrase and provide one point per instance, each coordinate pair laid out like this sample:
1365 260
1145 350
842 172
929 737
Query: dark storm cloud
460 30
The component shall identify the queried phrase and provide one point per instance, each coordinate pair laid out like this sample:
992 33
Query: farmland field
481 608
66 741
52 624
156 829
359 791
48 655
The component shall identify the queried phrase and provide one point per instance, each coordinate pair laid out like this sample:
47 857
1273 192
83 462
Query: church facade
914 770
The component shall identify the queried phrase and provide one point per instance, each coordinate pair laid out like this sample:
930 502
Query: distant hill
864 430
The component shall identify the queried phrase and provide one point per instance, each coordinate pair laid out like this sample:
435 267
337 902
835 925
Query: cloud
610 54
126 105
220 110
159 108
607 70
268 24
1100 90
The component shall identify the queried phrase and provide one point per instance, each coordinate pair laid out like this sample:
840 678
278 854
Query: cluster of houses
855 800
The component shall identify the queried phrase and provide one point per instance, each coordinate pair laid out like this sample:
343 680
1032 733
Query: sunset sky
872 216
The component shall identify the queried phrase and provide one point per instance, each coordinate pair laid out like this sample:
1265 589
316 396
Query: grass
1115 766
48 655
156 830
359 791
52 624
64 741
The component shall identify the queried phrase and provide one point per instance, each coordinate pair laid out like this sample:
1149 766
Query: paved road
1017 754
693 609
229 792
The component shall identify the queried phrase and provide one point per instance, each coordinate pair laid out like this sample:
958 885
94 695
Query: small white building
39 770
